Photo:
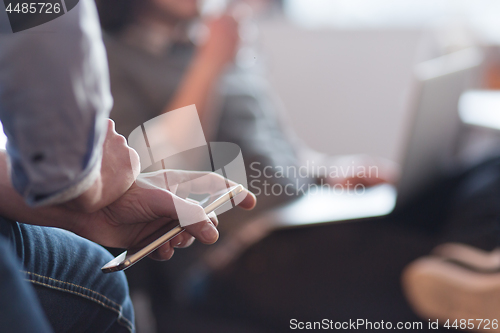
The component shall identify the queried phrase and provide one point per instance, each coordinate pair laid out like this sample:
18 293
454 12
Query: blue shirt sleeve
54 102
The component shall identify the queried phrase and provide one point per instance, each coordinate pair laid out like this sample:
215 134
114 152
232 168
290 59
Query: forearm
196 87
210 61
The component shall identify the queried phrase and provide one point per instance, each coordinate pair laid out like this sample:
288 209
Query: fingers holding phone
185 239
160 244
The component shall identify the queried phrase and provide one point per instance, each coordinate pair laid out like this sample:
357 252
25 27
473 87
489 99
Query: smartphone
163 235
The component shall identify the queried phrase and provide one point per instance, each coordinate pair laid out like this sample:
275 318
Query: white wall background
345 91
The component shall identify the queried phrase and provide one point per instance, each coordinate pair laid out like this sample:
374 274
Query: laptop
428 153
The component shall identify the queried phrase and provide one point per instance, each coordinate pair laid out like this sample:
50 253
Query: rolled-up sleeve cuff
70 193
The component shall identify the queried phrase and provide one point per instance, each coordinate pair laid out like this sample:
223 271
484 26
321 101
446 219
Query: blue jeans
66 285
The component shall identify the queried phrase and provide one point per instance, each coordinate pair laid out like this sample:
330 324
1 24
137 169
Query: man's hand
143 210
126 208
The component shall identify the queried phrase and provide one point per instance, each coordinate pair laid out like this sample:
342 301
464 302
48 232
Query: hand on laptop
351 170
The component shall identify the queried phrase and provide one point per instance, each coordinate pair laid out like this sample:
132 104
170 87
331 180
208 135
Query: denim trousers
50 281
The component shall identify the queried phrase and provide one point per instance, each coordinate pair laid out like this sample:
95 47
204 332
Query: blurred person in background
161 60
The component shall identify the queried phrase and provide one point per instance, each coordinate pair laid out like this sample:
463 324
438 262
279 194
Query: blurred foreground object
457 283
